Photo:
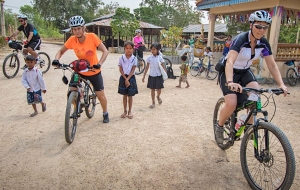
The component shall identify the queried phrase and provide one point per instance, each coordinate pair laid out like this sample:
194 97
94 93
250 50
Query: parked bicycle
293 74
198 68
81 95
11 63
267 158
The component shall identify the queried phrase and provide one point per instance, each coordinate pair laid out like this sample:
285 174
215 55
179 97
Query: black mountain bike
267 158
81 95
11 63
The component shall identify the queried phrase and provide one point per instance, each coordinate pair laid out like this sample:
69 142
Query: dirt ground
169 147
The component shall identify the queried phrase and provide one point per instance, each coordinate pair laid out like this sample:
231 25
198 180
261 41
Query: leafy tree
288 33
106 9
124 23
167 13
59 11
171 36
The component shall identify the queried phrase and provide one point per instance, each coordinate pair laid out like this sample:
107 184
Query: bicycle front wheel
194 70
168 63
211 73
44 63
275 166
140 66
292 77
228 139
11 66
71 116
90 99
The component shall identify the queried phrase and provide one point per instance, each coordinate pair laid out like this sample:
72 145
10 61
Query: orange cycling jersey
86 50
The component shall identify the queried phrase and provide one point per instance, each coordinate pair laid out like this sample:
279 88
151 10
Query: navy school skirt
155 82
130 90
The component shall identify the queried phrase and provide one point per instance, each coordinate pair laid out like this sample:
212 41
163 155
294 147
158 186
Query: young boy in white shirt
33 81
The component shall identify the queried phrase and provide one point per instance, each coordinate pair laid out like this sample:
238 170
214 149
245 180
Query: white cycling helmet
76 21
260 16
22 16
138 31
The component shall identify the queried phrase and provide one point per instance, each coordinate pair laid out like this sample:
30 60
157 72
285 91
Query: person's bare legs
31 51
124 106
179 85
153 98
187 84
103 101
130 100
158 96
35 111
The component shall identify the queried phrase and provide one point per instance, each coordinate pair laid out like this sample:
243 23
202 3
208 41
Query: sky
132 4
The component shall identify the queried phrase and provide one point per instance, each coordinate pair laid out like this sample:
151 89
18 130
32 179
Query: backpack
170 73
79 65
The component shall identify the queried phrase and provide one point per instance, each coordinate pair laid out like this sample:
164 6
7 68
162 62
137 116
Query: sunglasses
257 26
21 20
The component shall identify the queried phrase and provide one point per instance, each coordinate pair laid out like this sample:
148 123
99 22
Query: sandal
130 116
33 114
124 115
159 100
44 107
152 106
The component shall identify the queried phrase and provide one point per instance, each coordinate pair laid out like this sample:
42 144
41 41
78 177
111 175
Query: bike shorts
96 81
243 77
140 53
33 44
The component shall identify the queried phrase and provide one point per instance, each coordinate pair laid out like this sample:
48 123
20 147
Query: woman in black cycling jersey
245 48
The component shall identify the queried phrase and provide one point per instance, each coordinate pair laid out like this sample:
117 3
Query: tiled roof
219 28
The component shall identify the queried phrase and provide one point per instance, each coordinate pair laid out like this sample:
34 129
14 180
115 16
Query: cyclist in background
33 38
245 48
85 47
139 44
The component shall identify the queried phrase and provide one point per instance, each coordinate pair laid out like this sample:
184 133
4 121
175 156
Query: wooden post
99 33
273 40
2 19
211 30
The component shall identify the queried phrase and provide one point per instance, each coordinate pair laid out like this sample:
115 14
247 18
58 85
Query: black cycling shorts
96 81
243 77
140 53
33 44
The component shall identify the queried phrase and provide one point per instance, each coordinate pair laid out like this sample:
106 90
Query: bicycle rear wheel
228 139
168 63
90 99
211 73
194 70
140 66
71 116
291 77
276 167
44 63
11 66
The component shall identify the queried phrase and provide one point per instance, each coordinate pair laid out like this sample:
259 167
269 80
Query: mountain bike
293 74
266 156
198 68
80 95
11 63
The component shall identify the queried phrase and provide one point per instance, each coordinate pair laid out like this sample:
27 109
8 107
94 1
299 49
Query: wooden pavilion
280 11
101 27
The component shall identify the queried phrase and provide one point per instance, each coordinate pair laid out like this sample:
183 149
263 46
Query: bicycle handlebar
276 91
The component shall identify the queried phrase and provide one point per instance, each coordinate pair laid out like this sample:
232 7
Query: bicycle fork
263 155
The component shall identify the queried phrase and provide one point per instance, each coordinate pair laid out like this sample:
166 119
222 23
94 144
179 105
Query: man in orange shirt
85 47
